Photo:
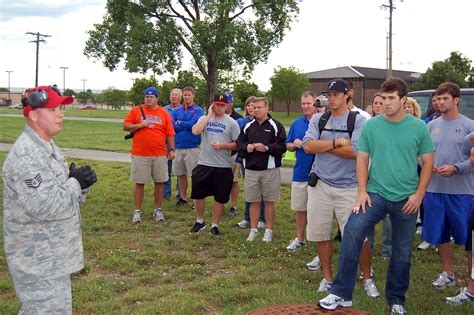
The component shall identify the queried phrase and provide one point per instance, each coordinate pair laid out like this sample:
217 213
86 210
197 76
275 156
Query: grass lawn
152 268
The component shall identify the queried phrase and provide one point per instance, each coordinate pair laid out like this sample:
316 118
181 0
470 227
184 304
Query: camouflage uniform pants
51 296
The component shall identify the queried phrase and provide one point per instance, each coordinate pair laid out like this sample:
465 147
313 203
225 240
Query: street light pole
9 99
64 78
84 85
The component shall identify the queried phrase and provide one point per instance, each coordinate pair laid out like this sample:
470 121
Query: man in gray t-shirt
213 175
336 190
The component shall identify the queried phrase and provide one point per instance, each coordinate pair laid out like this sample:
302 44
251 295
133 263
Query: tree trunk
288 104
211 78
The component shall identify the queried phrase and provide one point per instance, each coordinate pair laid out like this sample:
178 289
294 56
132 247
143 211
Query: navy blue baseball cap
221 99
230 97
337 86
151 91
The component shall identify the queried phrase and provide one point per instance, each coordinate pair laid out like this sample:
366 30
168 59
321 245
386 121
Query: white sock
254 230
271 231
213 225
200 221
137 210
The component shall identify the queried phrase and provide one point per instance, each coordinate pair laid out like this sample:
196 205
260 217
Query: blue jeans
168 183
386 238
247 211
357 228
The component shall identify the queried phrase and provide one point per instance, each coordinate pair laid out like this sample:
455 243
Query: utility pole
9 101
37 41
64 78
390 48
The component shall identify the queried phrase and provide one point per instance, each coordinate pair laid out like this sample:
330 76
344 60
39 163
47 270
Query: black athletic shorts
470 227
212 181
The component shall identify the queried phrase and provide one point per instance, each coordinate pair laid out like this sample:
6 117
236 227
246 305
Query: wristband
333 143
171 149
456 169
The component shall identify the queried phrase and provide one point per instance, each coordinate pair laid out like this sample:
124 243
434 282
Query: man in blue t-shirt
299 184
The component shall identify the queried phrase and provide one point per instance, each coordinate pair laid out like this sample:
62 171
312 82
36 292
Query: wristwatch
171 149
456 169
266 148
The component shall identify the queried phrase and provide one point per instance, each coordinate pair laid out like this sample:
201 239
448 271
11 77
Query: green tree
136 95
152 35
242 90
457 69
69 92
288 84
3 89
114 97
87 96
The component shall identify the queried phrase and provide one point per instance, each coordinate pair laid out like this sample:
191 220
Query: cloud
31 8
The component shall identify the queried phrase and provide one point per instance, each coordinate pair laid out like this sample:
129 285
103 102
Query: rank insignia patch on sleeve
34 182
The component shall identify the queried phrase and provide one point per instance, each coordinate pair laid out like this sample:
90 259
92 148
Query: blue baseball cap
337 86
151 91
230 97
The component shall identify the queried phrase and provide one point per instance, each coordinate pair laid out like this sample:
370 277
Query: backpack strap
323 121
143 113
351 118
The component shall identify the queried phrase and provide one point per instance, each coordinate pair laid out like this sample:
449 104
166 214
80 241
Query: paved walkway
286 172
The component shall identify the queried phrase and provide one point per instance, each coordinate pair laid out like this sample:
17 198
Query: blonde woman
412 107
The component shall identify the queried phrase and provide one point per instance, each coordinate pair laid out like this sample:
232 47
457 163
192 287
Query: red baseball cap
44 97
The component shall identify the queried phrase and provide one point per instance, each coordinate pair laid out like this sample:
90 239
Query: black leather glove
85 175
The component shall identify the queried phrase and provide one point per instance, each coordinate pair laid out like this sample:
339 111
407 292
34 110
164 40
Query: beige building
366 83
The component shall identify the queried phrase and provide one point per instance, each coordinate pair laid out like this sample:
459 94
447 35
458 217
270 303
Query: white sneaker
332 301
444 281
261 225
424 245
324 286
252 235
461 298
158 215
314 264
295 245
397 309
267 236
137 216
370 289
243 224
419 230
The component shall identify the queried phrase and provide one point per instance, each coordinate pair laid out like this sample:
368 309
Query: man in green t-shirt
392 142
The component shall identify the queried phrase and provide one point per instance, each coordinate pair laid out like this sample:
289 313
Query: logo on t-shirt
217 127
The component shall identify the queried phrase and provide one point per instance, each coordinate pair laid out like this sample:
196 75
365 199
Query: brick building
366 82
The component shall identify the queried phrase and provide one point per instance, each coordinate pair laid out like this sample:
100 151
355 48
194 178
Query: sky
326 34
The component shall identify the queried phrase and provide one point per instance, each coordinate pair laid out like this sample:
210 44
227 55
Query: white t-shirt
361 111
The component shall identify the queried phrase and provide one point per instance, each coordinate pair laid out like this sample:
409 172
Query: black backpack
350 123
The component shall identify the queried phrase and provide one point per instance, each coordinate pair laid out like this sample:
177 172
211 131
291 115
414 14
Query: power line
39 39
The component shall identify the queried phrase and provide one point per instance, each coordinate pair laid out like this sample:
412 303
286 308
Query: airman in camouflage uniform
41 215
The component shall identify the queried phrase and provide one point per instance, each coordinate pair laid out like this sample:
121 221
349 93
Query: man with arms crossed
213 175
41 215
149 153
261 145
336 189
449 200
304 161
187 144
392 142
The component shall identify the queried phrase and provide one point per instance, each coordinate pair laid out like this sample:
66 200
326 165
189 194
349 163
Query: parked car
16 106
88 107
466 107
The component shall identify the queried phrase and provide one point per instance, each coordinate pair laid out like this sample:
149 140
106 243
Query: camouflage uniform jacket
41 218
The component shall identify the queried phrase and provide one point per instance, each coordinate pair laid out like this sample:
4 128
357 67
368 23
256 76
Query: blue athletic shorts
446 215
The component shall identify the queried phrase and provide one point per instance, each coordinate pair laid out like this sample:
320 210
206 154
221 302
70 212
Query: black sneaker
215 231
181 202
197 227
233 211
